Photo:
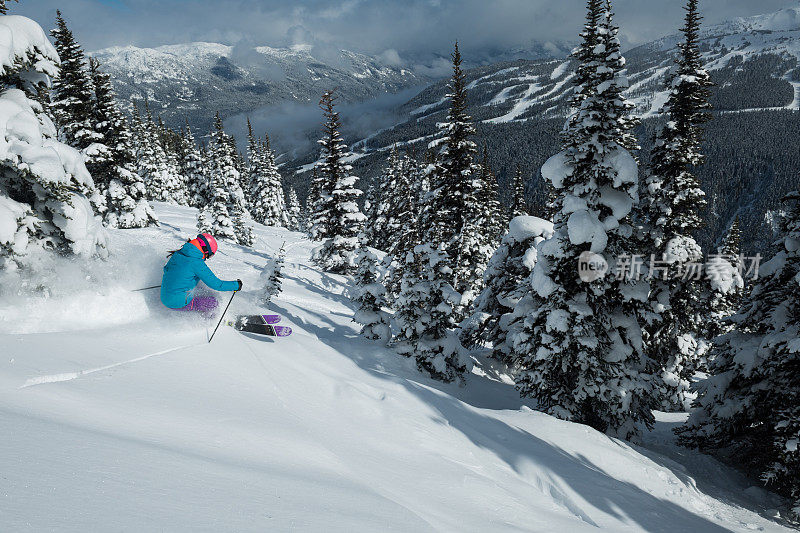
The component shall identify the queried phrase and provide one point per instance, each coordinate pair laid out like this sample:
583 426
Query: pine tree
580 348
272 277
267 205
225 217
158 169
194 170
72 101
455 216
318 205
225 161
337 215
725 284
608 36
388 202
407 223
505 286
294 211
72 91
372 203
306 215
172 146
378 206
495 222
214 218
674 203
425 314
4 7
519 206
748 412
42 205
370 298
114 167
407 207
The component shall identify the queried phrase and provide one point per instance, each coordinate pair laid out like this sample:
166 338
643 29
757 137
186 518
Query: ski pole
223 316
146 288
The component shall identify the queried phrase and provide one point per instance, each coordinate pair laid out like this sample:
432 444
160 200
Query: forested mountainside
752 160
191 82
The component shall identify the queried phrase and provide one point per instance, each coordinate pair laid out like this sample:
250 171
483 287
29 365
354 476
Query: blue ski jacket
183 271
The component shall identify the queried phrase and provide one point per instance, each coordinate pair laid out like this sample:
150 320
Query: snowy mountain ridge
193 81
124 417
739 54
781 20
539 89
164 62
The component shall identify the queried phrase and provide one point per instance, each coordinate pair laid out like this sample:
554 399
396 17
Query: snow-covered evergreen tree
379 207
455 215
294 211
425 314
725 286
407 223
225 157
369 296
674 202
158 170
72 102
172 145
193 170
337 217
393 199
226 216
114 167
267 204
371 205
41 205
608 37
72 93
748 412
318 205
272 277
407 207
495 221
509 268
214 217
580 348
4 7
519 206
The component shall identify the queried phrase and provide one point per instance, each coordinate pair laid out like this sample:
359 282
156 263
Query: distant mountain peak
192 81
787 19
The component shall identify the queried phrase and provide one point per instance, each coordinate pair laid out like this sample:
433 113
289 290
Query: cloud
244 54
391 58
412 28
438 68
294 126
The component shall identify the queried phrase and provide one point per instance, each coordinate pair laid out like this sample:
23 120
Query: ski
271 319
260 325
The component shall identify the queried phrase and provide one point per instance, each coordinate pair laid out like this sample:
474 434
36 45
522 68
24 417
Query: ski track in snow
69 376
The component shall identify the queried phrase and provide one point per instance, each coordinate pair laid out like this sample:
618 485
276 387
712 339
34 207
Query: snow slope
117 415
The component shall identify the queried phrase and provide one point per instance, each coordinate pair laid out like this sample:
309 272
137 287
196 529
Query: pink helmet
207 243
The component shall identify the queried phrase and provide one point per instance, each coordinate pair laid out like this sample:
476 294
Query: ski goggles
205 246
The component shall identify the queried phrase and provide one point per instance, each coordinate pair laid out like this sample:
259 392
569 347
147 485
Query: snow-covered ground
117 415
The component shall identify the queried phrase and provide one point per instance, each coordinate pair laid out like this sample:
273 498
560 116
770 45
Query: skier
185 268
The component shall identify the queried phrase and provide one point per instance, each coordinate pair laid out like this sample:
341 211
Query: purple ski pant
202 304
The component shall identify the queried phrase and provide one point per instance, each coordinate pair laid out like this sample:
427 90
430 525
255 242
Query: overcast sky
372 26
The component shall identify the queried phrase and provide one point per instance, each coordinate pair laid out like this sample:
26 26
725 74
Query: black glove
240 285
